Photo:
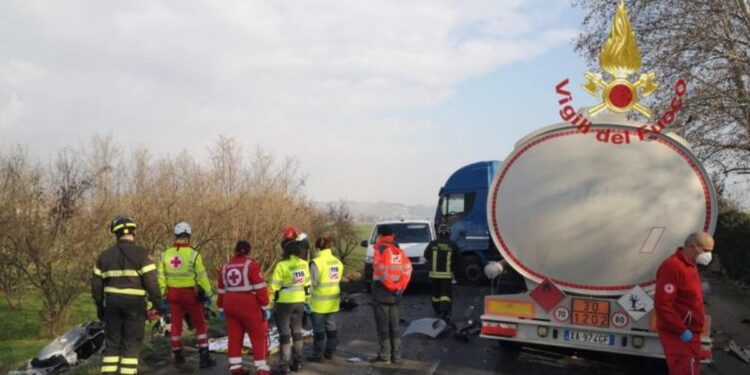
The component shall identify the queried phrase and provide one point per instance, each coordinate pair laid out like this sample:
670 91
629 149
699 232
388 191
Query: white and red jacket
243 275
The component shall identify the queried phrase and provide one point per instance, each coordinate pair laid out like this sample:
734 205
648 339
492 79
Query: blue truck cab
462 205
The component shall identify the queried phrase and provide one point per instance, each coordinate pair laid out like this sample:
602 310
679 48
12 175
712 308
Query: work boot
379 359
179 359
281 370
296 366
315 358
329 354
205 358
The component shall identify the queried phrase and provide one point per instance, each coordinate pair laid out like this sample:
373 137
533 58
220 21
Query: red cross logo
234 277
176 262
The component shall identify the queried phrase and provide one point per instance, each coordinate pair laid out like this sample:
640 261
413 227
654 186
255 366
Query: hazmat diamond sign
547 295
636 303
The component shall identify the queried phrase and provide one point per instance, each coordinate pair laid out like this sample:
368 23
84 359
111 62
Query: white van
412 236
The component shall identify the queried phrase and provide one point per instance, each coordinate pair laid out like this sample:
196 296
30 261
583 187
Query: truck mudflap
518 319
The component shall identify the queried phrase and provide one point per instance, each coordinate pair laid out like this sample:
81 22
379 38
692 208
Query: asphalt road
446 355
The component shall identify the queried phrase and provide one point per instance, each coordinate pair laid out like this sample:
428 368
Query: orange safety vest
391 267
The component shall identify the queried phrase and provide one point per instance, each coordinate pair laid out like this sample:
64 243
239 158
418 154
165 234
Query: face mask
703 258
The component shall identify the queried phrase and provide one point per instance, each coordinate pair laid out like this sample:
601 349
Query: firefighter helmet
444 230
291 233
122 225
182 229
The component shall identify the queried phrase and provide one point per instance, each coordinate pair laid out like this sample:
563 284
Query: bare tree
341 225
706 42
54 221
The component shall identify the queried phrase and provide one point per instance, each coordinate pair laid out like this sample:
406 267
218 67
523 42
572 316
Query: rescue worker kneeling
325 271
180 270
243 298
290 287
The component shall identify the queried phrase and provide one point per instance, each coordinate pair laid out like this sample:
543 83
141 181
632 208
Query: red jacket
243 275
679 297
390 266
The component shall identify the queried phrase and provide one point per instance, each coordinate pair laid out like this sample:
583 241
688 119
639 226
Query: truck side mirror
363 243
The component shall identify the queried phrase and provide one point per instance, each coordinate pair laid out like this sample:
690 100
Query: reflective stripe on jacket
125 269
441 254
326 294
290 282
390 267
181 266
243 275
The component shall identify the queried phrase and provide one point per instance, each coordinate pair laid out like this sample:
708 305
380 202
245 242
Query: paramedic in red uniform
679 304
243 298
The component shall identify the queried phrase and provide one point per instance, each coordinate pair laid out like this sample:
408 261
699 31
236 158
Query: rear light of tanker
499 329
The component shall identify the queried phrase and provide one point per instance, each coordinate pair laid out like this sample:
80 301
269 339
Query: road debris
71 349
220 344
741 352
431 327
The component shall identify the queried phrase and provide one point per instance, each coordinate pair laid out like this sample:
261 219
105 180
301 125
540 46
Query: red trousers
243 314
182 300
682 358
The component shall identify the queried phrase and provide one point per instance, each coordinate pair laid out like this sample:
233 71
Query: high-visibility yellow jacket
290 282
326 293
181 266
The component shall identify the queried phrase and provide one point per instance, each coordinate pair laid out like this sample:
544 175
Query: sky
378 100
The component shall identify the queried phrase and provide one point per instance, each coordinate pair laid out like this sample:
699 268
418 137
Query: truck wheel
510 350
472 270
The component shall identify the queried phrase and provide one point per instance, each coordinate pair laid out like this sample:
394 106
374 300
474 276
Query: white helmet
182 229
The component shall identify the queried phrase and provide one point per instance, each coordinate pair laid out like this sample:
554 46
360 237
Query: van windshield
408 233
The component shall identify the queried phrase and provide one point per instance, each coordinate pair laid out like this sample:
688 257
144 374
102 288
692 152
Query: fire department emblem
620 58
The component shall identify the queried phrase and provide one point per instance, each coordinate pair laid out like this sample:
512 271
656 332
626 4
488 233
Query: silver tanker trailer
587 221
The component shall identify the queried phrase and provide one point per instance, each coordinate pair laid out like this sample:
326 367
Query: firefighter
442 255
123 275
183 279
243 298
391 272
678 302
290 289
325 272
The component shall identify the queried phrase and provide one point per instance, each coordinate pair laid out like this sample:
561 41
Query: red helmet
291 233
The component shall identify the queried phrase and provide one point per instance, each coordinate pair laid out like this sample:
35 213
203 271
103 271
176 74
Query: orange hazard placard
589 312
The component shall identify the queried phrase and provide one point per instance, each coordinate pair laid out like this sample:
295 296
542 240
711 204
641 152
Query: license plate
590 337
589 312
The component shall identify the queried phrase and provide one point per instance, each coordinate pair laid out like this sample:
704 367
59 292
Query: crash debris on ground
71 349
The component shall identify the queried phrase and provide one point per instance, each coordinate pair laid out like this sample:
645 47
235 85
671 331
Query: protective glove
207 301
165 306
308 309
686 336
267 315
221 316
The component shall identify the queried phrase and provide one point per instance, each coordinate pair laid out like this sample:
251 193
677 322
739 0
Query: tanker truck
587 222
